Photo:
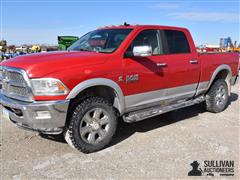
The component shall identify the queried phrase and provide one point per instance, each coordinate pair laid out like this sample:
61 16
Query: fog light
43 115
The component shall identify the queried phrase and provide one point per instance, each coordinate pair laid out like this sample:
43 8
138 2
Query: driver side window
146 37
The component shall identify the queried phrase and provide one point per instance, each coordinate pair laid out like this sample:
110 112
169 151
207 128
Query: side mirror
142 51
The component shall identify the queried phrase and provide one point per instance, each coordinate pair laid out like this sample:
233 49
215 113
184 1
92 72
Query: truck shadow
149 64
125 130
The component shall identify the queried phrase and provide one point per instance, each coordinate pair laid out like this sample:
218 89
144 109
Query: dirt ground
160 147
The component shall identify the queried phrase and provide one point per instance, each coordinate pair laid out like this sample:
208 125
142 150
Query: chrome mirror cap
142 51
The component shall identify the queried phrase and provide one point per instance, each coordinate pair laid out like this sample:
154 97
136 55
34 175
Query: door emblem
129 78
132 78
120 79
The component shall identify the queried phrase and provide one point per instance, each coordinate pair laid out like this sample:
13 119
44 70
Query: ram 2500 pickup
133 72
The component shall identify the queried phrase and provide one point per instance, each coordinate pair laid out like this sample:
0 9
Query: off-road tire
72 133
212 97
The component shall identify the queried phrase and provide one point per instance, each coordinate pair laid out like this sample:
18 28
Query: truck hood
41 64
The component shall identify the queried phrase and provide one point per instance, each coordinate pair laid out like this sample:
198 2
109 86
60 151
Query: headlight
48 87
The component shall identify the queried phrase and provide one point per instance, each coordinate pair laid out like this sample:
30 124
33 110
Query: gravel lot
160 147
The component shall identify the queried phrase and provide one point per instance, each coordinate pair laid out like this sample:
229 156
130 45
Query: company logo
212 168
195 169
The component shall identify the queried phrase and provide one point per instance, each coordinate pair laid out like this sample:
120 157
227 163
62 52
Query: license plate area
5 114
5 86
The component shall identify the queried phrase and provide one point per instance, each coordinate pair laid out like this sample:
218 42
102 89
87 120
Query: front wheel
217 97
92 125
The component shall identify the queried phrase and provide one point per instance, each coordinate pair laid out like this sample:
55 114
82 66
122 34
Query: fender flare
217 70
119 104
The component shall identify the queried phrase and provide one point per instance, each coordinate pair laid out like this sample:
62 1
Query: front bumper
47 117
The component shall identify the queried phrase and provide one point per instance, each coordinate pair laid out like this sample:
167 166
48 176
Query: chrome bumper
47 117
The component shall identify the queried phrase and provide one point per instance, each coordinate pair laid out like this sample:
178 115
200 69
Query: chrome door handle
193 61
161 64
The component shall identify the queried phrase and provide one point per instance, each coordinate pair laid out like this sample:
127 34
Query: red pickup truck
133 72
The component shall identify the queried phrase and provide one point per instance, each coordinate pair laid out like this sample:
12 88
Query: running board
157 110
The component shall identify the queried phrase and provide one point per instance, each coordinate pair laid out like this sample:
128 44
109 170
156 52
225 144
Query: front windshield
103 40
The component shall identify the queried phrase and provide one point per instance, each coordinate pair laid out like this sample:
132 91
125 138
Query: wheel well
223 74
100 91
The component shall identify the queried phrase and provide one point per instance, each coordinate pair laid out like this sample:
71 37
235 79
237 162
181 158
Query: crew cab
133 72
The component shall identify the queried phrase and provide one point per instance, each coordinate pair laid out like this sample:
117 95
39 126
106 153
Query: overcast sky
41 21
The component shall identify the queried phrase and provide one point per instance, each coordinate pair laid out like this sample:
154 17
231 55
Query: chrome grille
14 83
14 76
21 91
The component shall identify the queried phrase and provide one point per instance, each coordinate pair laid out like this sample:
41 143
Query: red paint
73 68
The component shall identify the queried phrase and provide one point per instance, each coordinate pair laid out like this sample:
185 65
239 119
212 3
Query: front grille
13 83
21 91
14 76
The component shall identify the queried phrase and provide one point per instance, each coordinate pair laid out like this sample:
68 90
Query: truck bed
211 61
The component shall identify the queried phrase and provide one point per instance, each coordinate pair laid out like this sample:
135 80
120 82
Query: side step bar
157 110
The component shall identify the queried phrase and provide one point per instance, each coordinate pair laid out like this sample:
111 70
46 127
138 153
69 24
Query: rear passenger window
176 42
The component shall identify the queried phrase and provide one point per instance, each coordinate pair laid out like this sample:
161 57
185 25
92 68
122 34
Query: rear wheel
217 97
92 126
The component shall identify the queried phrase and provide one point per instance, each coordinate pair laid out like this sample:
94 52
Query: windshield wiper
82 49
103 52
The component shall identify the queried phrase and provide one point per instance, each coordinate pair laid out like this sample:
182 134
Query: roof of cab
137 26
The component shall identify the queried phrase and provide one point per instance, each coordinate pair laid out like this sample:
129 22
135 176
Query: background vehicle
133 72
7 55
65 41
